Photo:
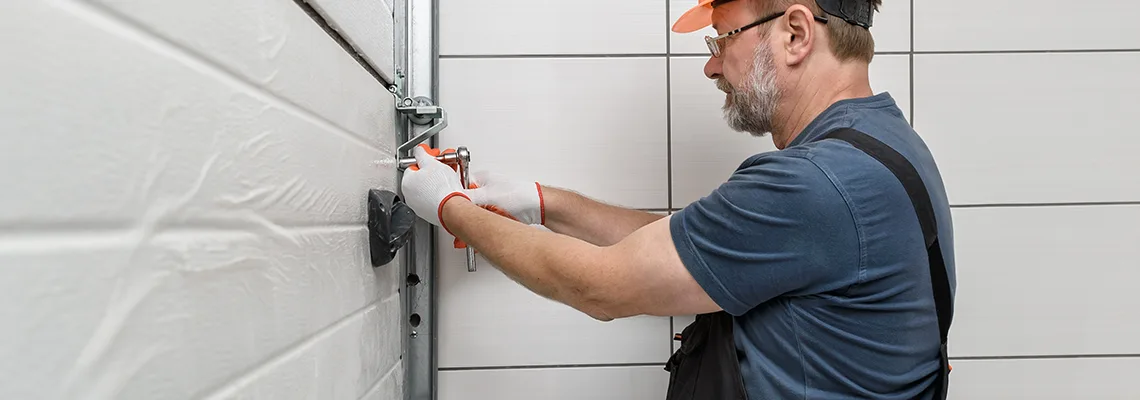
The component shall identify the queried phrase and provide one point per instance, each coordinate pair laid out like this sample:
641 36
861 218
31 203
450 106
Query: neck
816 90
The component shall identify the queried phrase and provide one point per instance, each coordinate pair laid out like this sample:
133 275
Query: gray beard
751 108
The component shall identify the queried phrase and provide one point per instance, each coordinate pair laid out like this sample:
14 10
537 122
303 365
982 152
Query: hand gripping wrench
461 158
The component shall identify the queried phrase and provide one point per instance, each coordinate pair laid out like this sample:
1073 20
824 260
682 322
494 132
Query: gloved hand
429 184
522 200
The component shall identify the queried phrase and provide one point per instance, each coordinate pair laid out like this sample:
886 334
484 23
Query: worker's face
745 70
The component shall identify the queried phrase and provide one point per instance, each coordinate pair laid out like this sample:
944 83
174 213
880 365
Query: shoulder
781 190
794 173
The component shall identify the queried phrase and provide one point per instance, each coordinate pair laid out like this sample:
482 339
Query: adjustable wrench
462 158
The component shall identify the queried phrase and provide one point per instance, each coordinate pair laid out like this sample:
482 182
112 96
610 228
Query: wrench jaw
464 157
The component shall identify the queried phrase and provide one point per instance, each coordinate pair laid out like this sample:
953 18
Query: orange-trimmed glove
521 200
517 200
429 184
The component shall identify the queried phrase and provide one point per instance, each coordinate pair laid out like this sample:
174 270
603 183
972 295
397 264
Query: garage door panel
153 137
168 314
1038 281
368 25
276 46
348 355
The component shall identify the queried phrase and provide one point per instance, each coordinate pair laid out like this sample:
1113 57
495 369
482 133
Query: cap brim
695 19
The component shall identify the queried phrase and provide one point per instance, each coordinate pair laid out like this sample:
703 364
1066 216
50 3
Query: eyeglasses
714 42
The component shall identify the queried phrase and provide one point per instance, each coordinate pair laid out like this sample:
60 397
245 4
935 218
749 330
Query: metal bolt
414 334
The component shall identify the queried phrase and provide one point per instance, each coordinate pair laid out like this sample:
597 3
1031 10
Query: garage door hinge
420 111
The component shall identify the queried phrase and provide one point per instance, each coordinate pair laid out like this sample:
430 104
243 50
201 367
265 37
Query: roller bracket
420 111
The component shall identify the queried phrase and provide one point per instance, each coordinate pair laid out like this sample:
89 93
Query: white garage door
182 202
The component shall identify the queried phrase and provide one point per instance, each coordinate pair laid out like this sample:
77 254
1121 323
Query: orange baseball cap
696 18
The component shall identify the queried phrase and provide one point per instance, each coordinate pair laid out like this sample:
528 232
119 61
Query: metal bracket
420 111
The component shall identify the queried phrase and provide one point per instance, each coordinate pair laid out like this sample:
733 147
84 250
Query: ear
798 36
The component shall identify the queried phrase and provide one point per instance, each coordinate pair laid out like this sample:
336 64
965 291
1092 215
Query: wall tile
891 29
706 151
1031 128
1024 25
551 27
1048 379
1046 281
597 126
606 383
487 319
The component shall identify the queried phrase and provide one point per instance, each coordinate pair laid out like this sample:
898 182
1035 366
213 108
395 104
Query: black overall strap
920 198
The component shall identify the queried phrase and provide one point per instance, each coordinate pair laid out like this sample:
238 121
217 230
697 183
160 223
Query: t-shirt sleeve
779 226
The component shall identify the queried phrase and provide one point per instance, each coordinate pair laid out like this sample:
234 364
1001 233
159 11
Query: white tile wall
605 383
982 25
540 119
706 151
498 27
183 216
529 329
1046 281
1017 121
1031 128
891 29
1045 379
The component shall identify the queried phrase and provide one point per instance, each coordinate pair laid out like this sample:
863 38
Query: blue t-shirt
816 251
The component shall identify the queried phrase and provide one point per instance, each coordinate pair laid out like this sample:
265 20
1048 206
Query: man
810 267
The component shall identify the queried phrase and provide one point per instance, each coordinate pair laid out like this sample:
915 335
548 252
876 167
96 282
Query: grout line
127 29
568 55
668 113
342 41
551 366
1045 357
910 57
620 365
669 133
1022 205
878 53
1069 51
1073 204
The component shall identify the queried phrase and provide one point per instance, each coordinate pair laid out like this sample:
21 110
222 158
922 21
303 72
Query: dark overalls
706 366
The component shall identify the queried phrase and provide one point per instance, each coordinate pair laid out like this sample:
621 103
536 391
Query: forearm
601 224
555 266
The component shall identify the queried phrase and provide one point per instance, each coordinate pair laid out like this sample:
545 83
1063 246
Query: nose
713 68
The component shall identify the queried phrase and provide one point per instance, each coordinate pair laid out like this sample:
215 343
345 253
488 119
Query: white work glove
429 184
521 199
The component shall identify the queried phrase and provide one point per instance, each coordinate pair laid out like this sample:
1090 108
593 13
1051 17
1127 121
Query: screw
414 334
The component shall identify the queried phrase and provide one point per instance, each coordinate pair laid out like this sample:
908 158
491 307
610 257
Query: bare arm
640 274
601 224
